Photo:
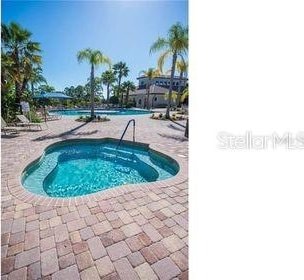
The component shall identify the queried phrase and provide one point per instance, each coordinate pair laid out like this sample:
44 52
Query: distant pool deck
133 233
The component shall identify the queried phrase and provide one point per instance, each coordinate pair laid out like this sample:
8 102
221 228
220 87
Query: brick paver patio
138 234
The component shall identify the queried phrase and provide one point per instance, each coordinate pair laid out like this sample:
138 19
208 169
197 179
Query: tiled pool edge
16 189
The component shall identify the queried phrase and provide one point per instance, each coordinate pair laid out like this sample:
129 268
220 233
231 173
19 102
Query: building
159 89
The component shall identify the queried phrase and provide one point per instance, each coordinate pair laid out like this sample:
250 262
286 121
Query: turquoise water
82 167
117 112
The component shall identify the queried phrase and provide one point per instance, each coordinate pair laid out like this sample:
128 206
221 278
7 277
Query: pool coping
16 188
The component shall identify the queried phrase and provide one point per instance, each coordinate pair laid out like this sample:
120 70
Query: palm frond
173 96
182 65
150 73
121 69
160 44
185 94
162 59
84 55
107 60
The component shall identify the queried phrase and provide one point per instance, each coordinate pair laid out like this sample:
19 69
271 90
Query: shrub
131 104
33 117
95 119
114 99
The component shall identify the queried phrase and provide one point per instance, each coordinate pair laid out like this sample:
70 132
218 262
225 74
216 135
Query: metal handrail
123 134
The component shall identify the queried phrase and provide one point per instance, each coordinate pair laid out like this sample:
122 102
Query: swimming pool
78 167
84 112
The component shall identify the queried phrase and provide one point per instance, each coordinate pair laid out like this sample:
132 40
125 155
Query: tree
127 87
174 45
95 58
174 96
108 78
187 128
182 68
184 98
46 88
6 71
116 91
7 87
121 70
185 95
36 78
114 99
97 89
23 56
151 73
80 94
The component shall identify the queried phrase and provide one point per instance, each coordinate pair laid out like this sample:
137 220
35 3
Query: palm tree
185 94
175 44
121 70
174 96
151 73
6 71
95 58
182 68
127 87
23 53
36 78
108 78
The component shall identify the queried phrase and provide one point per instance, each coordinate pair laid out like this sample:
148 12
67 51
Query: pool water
100 112
80 167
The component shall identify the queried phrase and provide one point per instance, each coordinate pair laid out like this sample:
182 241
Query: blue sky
123 30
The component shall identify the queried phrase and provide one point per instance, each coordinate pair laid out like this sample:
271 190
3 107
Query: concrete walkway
141 234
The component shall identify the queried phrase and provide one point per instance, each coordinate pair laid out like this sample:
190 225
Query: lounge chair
8 128
25 122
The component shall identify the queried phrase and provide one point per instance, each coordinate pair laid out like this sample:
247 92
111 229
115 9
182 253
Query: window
156 82
139 102
155 98
177 83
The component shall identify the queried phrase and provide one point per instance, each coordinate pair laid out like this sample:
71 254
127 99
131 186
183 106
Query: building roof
163 77
153 90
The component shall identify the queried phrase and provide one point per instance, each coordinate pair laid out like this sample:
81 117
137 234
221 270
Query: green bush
95 119
131 104
33 117
114 99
